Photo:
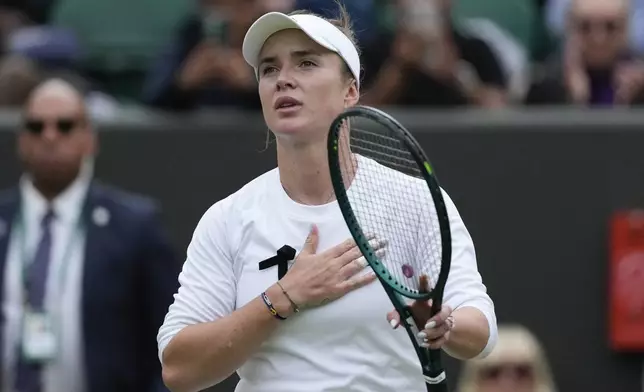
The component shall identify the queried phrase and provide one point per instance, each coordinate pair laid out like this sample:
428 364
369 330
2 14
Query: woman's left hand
436 331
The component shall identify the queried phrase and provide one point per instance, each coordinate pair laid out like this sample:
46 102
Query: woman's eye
268 70
307 63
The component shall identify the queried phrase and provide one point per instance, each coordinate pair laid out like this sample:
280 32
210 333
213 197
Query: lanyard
25 259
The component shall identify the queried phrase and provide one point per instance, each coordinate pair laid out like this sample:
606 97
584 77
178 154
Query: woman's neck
304 173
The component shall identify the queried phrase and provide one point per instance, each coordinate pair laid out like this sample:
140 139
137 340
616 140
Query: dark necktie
28 373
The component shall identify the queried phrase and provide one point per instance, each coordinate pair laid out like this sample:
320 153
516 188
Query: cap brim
266 26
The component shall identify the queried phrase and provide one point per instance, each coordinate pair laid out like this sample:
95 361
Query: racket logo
408 270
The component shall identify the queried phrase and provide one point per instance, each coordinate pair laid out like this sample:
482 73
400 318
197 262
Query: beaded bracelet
270 306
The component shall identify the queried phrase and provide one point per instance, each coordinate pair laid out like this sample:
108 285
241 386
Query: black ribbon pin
281 259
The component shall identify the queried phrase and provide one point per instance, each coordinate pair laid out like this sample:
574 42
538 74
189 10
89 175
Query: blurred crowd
177 55
183 55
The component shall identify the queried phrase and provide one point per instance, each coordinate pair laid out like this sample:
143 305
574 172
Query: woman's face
302 86
507 377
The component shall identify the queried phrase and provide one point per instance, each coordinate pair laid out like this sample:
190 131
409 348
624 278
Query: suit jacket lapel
92 240
99 240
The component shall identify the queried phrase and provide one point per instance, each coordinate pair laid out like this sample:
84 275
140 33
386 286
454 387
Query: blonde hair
515 343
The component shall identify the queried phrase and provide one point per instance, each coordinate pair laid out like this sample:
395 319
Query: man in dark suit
86 272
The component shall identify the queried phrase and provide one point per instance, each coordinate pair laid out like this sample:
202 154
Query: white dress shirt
346 345
64 283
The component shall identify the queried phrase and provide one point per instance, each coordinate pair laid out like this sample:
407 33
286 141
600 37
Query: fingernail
393 323
430 324
421 335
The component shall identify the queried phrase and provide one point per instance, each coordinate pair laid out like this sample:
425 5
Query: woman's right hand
316 279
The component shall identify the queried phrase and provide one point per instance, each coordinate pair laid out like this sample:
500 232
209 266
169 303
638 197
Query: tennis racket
385 186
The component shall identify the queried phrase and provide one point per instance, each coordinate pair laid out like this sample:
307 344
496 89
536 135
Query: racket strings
391 200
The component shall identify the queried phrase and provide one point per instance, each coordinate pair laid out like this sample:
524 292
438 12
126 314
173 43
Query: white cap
318 29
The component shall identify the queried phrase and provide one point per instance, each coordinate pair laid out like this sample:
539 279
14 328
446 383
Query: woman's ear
352 95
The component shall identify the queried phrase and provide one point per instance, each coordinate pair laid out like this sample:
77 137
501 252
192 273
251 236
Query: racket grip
435 377
442 387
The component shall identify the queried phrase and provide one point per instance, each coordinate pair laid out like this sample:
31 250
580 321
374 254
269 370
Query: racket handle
442 387
436 381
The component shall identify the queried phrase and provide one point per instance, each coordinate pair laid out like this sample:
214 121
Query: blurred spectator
556 12
513 57
27 12
50 47
86 272
428 62
33 49
18 77
517 364
14 14
595 65
204 66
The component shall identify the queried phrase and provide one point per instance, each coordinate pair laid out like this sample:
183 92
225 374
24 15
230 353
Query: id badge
38 338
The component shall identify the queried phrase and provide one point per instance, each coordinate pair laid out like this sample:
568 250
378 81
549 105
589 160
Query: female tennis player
325 325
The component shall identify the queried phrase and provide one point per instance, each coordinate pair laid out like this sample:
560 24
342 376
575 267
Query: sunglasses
517 371
63 125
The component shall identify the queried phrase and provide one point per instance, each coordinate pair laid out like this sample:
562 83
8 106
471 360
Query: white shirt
63 287
346 345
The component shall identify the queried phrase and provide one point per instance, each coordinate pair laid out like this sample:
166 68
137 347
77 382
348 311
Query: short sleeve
464 287
207 284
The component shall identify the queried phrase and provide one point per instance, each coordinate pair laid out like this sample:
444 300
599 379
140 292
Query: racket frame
430 359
